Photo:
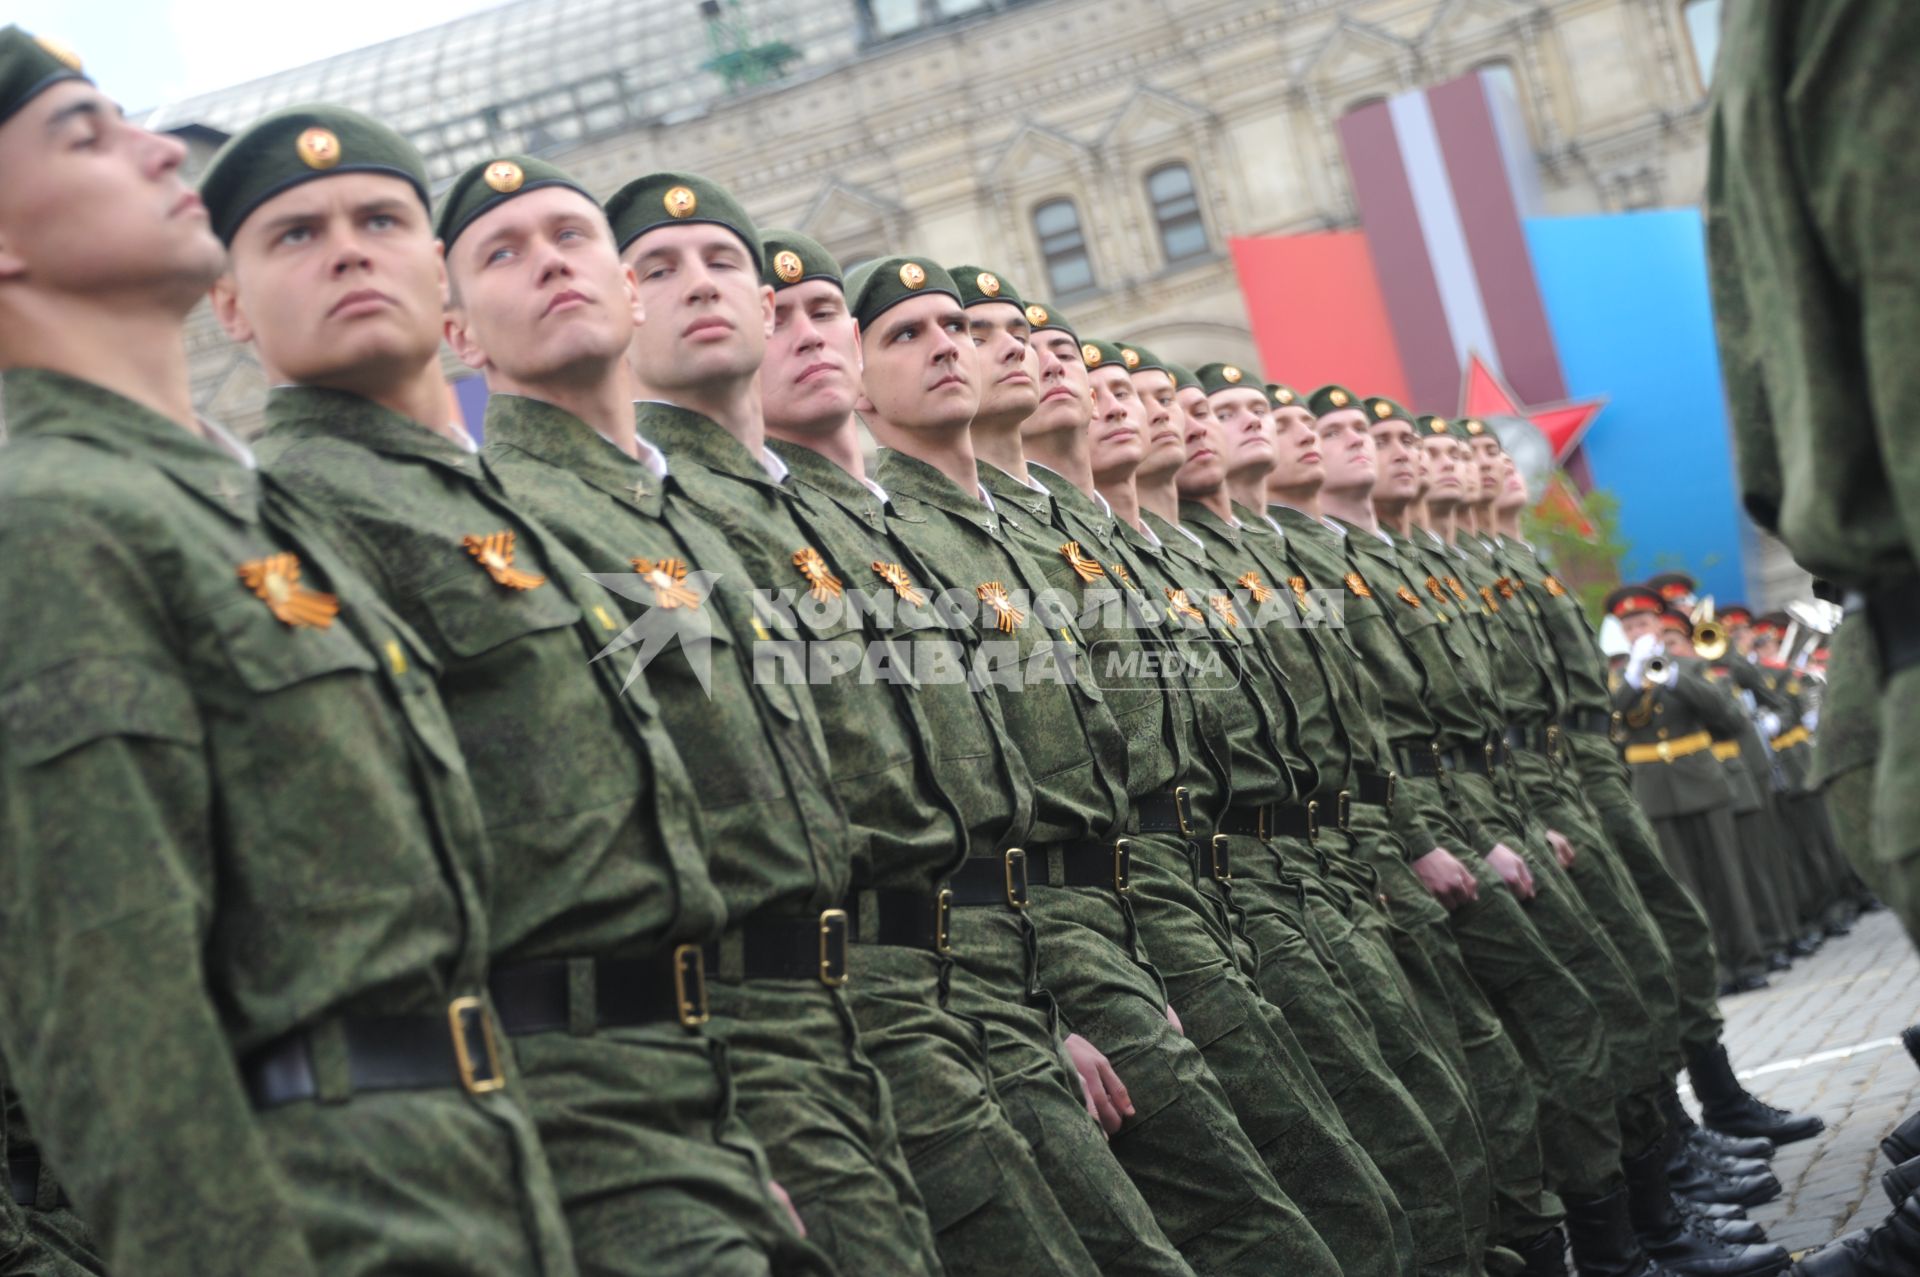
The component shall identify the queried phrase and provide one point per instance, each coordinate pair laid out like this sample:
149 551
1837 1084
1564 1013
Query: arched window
1703 33
1063 246
1176 212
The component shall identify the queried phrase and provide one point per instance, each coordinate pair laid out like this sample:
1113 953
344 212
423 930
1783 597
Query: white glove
1768 722
1645 648
1811 720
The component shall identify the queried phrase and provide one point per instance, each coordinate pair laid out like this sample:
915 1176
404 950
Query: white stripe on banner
1440 226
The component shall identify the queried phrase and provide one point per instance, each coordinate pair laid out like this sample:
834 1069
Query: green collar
54 405
1195 513
905 476
815 471
682 433
308 412
1074 502
557 437
1005 487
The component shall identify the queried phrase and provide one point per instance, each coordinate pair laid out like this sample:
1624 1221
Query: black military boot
1679 1242
1712 1143
1546 1255
1910 1038
1603 1240
1902 1181
1888 1249
1691 1175
1728 1228
1903 1142
1711 1210
1727 1107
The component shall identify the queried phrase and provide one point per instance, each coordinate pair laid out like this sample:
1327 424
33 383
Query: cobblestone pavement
1825 1039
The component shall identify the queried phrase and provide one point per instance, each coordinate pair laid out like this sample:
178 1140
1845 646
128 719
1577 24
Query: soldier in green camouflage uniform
987 1191
1180 765
244 909
603 877
564 449
1299 893
1810 216
1182 1145
40 1236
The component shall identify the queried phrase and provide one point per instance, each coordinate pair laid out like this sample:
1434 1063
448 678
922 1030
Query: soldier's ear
224 298
766 308
461 340
631 282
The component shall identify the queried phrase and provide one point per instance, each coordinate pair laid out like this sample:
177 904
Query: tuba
1709 636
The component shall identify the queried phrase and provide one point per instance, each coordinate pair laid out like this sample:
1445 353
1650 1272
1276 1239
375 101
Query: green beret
1471 428
29 66
669 199
280 151
1045 315
1380 408
980 287
791 258
1102 354
1140 359
875 287
1332 398
1215 378
1427 424
488 185
1282 396
1183 377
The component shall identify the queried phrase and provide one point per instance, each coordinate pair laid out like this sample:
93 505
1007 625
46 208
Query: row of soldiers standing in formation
1728 775
414 862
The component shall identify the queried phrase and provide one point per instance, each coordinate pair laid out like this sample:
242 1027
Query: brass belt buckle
833 947
1222 859
1015 864
1313 822
1122 866
1343 810
943 921
1553 742
465 1016
1182 810
1393 778
690 985
1262 828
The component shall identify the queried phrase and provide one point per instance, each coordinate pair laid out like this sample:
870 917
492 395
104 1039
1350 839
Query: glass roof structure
536 76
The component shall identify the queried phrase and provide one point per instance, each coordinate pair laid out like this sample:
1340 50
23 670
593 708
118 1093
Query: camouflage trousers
1602 776
385 1181
46 1242
1297 974
1865 756
1636 1060
1183 1146
987 1202
1613 900
1187 926
656 1173
822 1111
1546 1011
1458 1011
1343 903
993 984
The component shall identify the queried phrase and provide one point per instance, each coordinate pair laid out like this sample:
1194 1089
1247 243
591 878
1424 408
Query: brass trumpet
1709 636
1662 670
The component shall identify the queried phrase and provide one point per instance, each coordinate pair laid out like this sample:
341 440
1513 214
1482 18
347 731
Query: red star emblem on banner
1562 424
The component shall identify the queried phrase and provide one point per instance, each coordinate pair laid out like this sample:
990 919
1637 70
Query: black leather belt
1167 812
535 997
908 919
23 1172
1541 740
1484 760
1273 820
1090 862
386 1053
1893 616
805 947
992 880
1425 760
1594 722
